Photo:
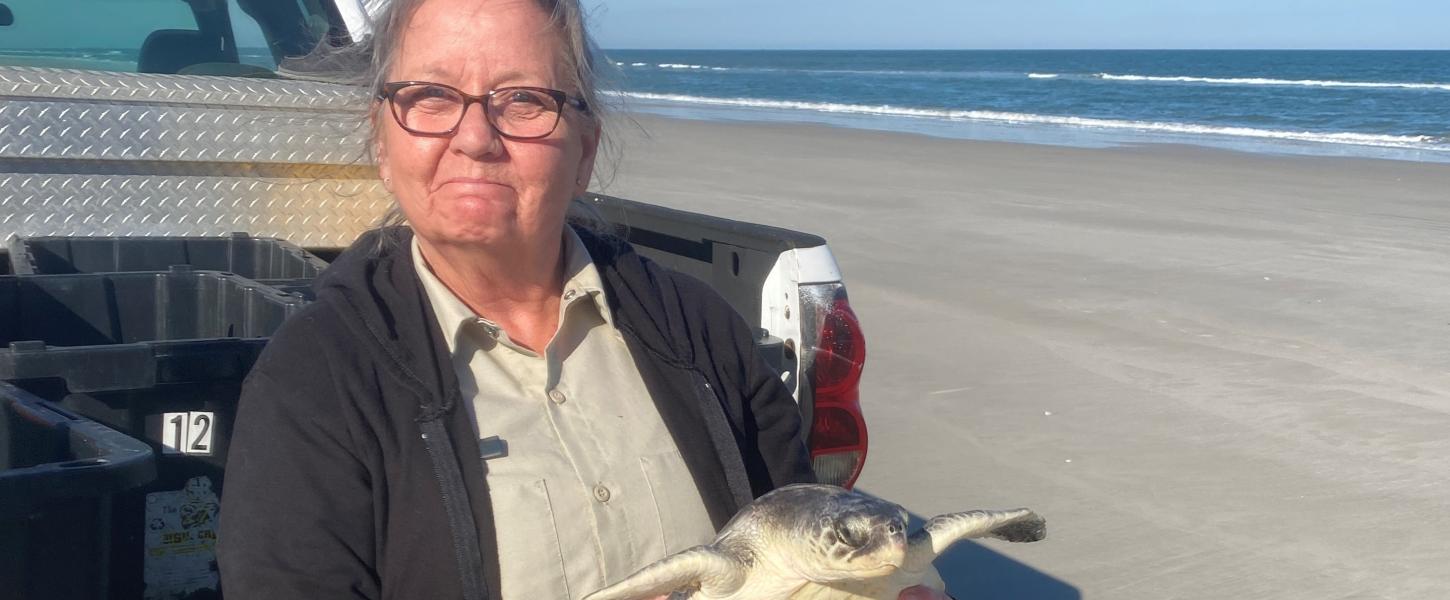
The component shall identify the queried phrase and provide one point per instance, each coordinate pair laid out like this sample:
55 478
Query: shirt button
557 396
601 493
569 294
488 328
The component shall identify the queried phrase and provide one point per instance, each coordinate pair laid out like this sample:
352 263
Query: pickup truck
169 122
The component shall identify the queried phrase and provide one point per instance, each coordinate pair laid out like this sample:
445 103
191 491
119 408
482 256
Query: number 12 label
187 432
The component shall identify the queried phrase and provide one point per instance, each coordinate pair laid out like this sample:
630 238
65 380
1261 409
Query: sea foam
1278 82
692 67
1416 142
867 72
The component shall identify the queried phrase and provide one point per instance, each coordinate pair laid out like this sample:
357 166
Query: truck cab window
192 37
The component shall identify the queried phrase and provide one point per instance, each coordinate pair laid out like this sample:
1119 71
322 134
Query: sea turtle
818 542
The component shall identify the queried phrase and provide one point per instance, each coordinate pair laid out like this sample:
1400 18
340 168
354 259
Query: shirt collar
581 277
580 274
453 315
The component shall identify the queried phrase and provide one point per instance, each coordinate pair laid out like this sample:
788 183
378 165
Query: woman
489 403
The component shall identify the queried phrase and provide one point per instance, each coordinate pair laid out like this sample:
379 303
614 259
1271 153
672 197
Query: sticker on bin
187 432
181 529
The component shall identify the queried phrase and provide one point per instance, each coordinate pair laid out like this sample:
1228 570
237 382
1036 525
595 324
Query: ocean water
1387 104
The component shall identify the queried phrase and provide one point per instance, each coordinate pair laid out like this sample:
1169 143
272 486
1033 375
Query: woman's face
476 187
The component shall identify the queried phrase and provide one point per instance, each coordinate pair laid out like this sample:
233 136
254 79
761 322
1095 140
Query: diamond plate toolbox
100 153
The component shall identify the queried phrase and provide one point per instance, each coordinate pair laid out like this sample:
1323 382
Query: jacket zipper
718 426
466 550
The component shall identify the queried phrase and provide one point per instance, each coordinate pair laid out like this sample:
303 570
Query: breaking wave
1417 142
868 72
692 67
1277 82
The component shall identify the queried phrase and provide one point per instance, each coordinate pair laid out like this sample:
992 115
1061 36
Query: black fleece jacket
353 469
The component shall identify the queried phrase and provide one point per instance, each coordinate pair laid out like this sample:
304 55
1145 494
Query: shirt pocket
531 560
684 522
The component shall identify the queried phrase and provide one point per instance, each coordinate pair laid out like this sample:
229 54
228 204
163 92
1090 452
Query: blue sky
1000 24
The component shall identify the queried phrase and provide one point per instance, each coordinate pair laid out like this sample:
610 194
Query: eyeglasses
520 113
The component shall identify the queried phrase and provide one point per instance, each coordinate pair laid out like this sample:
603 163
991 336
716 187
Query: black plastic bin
161 357
258 258
181 403
59 476
121 308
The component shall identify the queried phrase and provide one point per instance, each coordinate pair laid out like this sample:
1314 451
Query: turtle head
846 535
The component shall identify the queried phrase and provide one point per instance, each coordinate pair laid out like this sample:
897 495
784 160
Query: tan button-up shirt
591 487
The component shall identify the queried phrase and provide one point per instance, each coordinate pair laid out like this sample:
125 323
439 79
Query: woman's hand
922 592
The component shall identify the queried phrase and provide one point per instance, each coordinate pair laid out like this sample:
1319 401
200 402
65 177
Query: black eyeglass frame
391 88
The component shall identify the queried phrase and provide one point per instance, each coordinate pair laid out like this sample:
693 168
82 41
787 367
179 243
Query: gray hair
368 64
565 16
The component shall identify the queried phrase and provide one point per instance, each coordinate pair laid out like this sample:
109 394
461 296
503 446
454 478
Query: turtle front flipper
704 568
1020 525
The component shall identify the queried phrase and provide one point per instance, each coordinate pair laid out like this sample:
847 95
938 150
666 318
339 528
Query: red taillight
838 431
840 353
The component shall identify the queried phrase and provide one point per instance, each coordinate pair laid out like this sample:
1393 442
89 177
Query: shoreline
1215 373
1045 134
627 135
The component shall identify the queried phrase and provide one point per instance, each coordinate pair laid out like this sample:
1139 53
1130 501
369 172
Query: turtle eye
849 536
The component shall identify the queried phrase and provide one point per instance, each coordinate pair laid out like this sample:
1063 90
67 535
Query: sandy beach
1218 375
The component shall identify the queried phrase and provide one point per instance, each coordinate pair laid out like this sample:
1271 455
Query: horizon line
1037 49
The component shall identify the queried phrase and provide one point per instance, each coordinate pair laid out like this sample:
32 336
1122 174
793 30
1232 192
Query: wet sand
1218 375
